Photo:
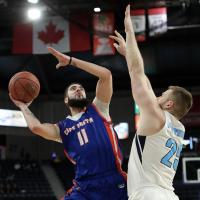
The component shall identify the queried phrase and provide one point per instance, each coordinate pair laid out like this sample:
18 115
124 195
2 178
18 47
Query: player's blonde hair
182 101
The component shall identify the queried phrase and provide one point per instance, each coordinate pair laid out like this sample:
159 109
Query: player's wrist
22 106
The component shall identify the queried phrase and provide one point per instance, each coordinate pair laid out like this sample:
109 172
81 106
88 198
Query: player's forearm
133 55
45 130
31 120
96 70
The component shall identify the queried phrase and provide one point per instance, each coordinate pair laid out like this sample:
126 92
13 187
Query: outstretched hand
127 21
120 46
19 104
63 59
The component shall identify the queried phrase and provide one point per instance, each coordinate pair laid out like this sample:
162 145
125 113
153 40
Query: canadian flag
55 32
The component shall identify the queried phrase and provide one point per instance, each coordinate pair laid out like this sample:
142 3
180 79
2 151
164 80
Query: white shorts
153 193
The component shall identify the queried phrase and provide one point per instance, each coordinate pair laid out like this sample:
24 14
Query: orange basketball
24 86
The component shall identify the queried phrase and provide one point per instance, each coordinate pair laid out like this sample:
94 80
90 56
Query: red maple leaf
51 35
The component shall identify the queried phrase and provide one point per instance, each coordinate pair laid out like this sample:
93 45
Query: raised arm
45 130
151 115
104 88
120 46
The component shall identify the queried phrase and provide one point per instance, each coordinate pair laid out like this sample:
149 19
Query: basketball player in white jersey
158 142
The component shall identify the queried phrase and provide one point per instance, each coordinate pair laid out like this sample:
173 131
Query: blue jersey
91 144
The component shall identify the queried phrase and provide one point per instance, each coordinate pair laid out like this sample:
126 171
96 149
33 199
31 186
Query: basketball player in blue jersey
158 141
87 135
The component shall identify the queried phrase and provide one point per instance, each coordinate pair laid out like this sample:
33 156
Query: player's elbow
36 128
107 74
42 131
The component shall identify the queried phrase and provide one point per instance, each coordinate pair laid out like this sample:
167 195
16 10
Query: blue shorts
112 187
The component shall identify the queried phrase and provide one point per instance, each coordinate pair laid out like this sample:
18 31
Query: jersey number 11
82 137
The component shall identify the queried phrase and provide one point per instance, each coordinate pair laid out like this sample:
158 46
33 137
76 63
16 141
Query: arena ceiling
182 43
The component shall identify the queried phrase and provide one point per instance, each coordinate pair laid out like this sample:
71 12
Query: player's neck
75 111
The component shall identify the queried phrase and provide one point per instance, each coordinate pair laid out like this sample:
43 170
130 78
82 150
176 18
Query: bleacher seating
23 180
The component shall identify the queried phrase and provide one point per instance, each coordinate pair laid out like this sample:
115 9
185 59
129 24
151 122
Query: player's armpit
58 138
150 123
103 108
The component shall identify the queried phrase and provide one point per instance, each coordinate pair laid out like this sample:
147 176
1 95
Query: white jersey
153 159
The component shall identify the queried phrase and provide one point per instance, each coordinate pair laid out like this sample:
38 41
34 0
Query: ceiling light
97 9
34 13
33 1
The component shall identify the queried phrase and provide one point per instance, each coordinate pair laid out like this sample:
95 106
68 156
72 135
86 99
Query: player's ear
66 100
169 104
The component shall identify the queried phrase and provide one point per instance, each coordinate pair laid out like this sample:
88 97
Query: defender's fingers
127 12
116 45
118 34
115 38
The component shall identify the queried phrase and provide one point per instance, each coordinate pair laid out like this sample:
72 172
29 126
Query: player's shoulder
97 102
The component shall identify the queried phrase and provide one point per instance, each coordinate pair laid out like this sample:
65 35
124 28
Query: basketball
24 86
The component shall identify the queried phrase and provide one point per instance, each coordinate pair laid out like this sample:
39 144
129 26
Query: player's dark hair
68 86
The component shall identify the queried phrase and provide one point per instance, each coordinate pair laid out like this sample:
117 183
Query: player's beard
78 103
